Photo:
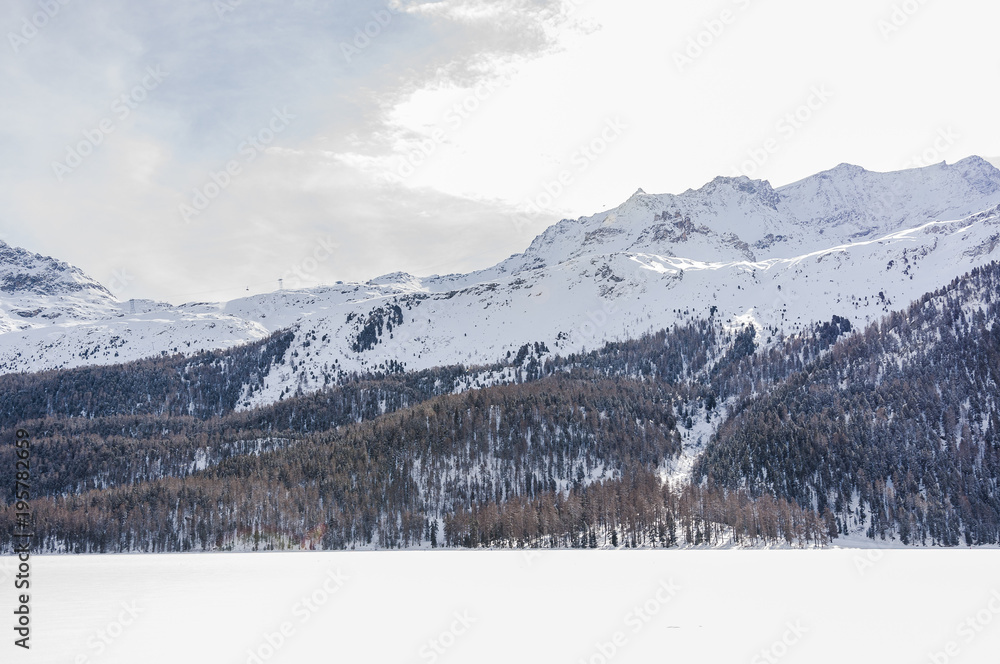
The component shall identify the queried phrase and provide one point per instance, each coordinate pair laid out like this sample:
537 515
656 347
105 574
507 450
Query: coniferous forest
891 431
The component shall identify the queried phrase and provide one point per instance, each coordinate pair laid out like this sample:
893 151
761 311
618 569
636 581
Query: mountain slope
890 429
897 430
846 241
37 290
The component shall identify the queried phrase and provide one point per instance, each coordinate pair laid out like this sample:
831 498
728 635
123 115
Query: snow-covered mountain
846 241
39 288
52 315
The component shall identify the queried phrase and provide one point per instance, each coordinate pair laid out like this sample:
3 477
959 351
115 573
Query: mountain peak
977 166
740 185
24 272
720 251
975 161
395 279
981 175
844 169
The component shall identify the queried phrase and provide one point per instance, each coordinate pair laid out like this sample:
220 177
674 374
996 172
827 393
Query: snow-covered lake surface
836 605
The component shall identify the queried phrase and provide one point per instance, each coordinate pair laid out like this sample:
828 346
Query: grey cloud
118 209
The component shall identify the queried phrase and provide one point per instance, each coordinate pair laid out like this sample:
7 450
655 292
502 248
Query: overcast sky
192 149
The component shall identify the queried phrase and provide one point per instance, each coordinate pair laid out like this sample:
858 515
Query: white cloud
559 71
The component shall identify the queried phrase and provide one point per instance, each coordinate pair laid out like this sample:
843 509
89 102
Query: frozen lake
836 605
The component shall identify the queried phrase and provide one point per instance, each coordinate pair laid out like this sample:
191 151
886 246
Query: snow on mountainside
845 241
853 200
52 315
36 290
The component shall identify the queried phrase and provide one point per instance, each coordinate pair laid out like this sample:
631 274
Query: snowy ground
836 605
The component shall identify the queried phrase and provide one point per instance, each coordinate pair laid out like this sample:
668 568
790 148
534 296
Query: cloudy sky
194 149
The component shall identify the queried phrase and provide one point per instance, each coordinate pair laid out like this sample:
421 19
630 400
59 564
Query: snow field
595 607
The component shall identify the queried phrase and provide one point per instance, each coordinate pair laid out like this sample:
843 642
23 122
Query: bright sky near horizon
192 149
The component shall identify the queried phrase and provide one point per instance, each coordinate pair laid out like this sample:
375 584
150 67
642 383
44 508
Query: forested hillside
890 430
375 482
896 429
205 384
